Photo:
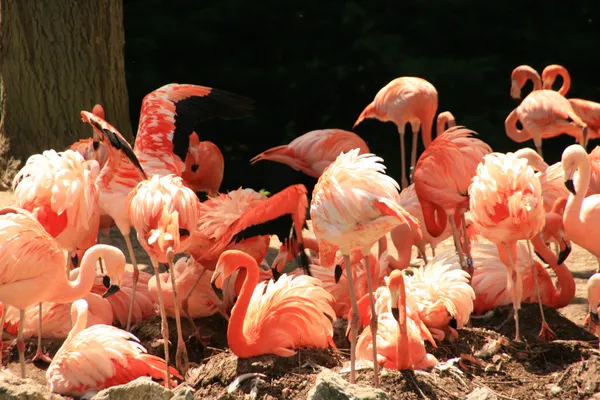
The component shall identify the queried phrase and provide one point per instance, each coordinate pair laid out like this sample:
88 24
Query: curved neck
549 77
426 127
311 243
566 283
235 331
445 120
402 358
514 133
68 291
435 218
80 309
582 182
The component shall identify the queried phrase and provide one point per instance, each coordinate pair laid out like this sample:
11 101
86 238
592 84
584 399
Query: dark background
316 64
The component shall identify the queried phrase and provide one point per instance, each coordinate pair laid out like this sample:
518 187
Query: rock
331 386
141 388
482 393
183 392
13 388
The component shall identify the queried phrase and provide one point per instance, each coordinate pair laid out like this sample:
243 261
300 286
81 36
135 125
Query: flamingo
100 356
164 214
275 317
445 121
442 178
207 178
582 214
89 148
544 114
593 296
354 204
506 205
519 76
405 100
312 152
399 339
25 247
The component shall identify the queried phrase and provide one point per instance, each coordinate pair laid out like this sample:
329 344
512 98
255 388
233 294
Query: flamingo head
396 287
229 262
593 289
520 76
572 158
114 261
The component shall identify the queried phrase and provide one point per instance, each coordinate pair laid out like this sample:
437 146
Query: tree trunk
58 57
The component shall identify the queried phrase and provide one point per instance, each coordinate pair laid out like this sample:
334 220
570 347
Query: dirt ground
482 357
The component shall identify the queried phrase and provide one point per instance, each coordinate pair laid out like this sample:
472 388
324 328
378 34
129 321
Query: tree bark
58 57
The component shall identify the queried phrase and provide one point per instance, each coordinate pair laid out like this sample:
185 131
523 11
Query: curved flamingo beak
110 289
570 186
594 318
394 294
95 144
564 253
215 282
338 273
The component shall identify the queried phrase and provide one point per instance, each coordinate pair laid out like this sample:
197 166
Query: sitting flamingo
100 356
275 317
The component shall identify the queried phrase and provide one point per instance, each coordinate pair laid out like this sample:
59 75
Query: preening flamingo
445 121
544 114
506 205
593 296
312 152
25 247
353 205
204 166
519 77
405 100
582 214
89 148
164 214
275 317
101 356
399 339
121 173
442 178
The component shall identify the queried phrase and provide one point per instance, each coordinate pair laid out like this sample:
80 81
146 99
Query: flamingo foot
39 355
181 359
546 334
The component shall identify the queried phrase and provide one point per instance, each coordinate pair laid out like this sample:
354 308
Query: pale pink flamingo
204 166
593 296
354 204
100 356
26 246
544 114
405 100
442 178
400 341
296 308
506 205
164 214
312 152
582 214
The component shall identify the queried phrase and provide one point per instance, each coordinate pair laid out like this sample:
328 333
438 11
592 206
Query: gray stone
141 388
183 392
13 388
482 393
331 386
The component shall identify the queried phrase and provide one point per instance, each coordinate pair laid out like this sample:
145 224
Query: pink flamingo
519 77
97 357
400 340
354 204
442 178
405 100
204 166
582 214
297 308
164 214
507 205
312 152
25 246
445 121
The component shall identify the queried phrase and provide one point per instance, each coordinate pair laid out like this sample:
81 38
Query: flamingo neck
426 129
68 291
575 201
514 133
563 296
402 357
80 315
235 332
311 243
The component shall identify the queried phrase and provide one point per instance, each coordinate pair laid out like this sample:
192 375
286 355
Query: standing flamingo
354 204
101 356
582 214
399 339
442 178
312 152
405 100
32 268
275 317
204 166
544 114
506 205
164 214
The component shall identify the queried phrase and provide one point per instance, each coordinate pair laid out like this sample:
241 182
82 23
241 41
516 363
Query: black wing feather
279 226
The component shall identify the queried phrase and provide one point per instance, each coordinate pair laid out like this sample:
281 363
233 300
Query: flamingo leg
516 284
21 342
413 154
163 319
538 145
181 356
403 181
39 354
546 334
355 321
457 245
185 306
432 251
373 320
135 276
467 243
2 319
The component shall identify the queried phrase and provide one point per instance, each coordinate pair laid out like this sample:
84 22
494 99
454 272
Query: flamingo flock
57 281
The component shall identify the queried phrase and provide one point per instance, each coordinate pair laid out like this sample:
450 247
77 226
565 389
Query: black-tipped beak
304 261
396 313
95 144
276 274
112 289
453 323
217 291
338 273
594 318
570 186
541 258
106 281
564 254
194 167
75 261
